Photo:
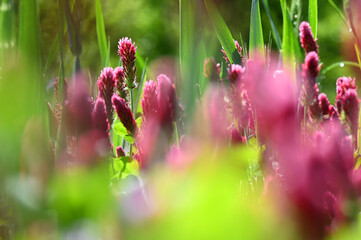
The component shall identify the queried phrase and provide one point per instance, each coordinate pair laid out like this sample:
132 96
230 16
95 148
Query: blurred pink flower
100 120
216 114
149 101
273 98
235 74
78 106
166 101
236 137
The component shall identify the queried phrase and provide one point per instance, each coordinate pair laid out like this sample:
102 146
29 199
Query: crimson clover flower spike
350 105
235 73
212 70
150 99
106 85
119 79
306 38
166 100
124 113
324 103
100 120
342 85
120 151
126 51
310 70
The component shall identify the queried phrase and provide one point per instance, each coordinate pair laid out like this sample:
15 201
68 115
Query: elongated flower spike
306 37
119 79
126 51
150 100
100 120
350 105
324 103
106 85
124 113
235 73
166 100
310 71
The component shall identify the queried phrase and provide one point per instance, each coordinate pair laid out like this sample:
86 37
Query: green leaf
120 129
187 51
256 42
312 16
29 41
139 122
340 64
7 27
73 31
102 40
131 168
290 46
223 33
274 31
129 138
118 164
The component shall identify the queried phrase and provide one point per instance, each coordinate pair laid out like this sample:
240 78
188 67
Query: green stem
131 108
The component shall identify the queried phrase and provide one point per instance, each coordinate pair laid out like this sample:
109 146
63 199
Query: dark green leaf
223 33
275 34
102 39
256 42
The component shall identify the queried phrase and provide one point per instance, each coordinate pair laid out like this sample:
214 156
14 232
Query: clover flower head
306 37
124 113
126 51
100 120
106 84
235 73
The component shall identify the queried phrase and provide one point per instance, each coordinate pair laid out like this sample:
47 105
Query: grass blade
340 64
102 40
29 51
256 42
141 86
223 33
7 27
187 49
312 16
29 41
275 34
339 12
291 51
